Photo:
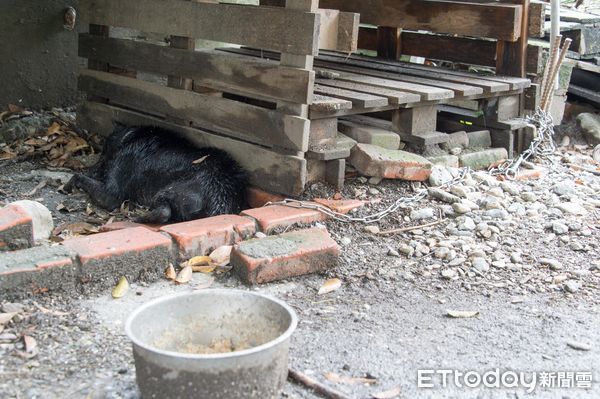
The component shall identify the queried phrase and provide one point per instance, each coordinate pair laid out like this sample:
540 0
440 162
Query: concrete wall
38 57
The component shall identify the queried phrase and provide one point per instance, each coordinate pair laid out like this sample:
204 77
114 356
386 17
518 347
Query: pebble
374 191
497 214
572 208
564 188
572 286
10 307
425 213
372 229
260 234
480 264
467 224
496 192
406 250
449 274
461 208
459 191
345 241
457 262
517 209
516 257
441 252
470 204
529 197
576 246
499 264
553 264
443 195
559 228
375 180
509 188
580 346
393 252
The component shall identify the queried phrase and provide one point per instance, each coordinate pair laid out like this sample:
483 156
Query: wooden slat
215 69
495 82
267 169
245 121
326 104
263 27
496 21
427 93
358 99
395 97
459 89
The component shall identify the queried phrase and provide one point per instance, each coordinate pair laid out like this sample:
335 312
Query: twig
315 385
405 229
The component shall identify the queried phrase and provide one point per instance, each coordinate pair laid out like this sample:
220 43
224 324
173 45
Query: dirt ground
534 285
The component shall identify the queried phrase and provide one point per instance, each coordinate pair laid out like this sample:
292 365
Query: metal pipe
554 28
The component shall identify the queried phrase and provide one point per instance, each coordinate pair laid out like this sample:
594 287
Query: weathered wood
235 118
267 169
389 45
511 57
415 121
496 21
263 27
395 97
215 69
537 16
338 31
349 24
335 172
358 99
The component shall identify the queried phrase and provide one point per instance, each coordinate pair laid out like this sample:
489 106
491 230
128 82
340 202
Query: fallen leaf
330 286
342 379
6 317
204 269
170 272
60 206
121 288
221 255
184 276
49 311
82 228
6 155
389 394
199 261
41 185
200 160
54 128
461 314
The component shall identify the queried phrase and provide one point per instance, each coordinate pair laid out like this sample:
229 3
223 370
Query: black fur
153 167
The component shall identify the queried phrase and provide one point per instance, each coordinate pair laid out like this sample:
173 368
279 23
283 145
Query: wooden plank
426 92
511 57
389 44
498 82
237 119
395 97
263 27
537 16
326 104
349 23
358 99
215 69
277 173
496 21
338 30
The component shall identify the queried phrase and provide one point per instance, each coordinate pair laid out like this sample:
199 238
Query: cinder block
480 139
271 217
16 228
258 198
137 253
200 237
288 255
477 160
37 270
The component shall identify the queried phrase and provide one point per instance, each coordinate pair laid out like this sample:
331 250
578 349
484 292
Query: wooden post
511 57
389 42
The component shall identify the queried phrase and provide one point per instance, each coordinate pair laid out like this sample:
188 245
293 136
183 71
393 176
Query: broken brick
371 160
200 237
16 228
135 253
258 198
274 216
340 206
287 255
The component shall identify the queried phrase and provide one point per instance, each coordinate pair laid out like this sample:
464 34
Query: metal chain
542 145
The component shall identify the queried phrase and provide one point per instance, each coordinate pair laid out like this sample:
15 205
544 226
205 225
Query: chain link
542 145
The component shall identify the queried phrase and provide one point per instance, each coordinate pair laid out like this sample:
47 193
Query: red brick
288 255
274 216
258 198
200 237
126 224
134 253
372 160
340 206
16 228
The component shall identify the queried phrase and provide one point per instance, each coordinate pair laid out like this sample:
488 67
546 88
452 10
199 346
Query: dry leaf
170 272
199 261
342 379
6 317
221 255
200 160
204 269
82 228
389 394
41 185
6 155
460 314
121 288
54 128
330 286
184 276
49 311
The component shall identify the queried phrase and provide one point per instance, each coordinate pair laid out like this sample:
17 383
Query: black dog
153 167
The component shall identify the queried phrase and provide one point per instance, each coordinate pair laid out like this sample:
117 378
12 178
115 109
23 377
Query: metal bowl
166 330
